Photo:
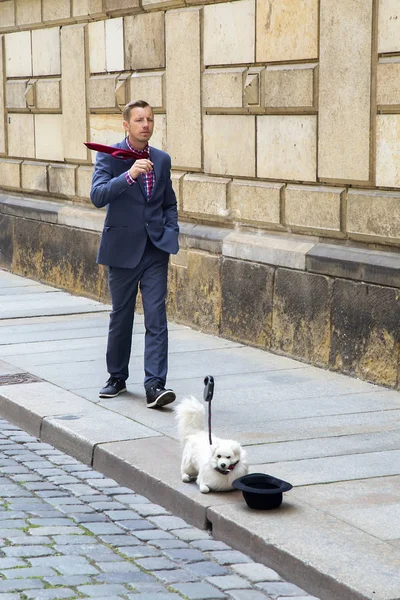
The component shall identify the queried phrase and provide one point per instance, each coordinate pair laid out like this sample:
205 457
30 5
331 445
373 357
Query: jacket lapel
155 158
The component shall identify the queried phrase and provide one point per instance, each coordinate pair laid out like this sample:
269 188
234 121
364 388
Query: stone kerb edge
125 472
21 416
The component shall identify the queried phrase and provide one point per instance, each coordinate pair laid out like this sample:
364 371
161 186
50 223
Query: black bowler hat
262 491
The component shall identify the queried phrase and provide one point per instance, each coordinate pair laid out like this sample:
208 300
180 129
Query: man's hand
140 166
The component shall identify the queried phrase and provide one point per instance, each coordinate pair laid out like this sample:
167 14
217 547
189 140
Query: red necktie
117 152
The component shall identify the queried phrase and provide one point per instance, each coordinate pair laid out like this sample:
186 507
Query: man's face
140 125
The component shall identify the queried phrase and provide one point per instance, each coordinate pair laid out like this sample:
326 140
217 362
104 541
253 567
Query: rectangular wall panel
345 89
73 86
183 88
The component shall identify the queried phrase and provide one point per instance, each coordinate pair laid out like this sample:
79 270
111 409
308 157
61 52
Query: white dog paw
186 478
204 489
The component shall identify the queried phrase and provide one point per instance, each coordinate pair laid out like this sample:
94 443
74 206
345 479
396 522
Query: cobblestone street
67 531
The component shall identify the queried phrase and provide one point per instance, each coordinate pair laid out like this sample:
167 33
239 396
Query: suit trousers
151 275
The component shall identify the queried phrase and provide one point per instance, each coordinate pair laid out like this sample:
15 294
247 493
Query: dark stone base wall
318 314
345 326
58 255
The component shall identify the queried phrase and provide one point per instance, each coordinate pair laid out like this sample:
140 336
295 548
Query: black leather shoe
113 387
157 396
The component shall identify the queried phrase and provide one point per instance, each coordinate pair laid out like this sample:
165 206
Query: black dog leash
208 395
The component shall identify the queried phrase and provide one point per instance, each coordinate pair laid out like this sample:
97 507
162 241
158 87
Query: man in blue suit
140 232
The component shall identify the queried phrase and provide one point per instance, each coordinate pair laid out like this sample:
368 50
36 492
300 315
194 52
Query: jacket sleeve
106 187
170 205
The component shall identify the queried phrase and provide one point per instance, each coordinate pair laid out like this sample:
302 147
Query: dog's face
225 455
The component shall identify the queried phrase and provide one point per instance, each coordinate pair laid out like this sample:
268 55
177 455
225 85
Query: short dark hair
126 113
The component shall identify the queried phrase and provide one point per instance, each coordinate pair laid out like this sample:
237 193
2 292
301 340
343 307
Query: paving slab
19 290
333 446
335 438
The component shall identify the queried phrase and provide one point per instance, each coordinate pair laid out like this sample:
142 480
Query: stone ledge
29 208
359 264
202 237
278 250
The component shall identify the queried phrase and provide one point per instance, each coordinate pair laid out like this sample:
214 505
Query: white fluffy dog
214 466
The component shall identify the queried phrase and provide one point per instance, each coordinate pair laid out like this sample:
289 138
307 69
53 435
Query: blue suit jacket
130 217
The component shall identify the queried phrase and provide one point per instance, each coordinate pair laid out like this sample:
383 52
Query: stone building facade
282 118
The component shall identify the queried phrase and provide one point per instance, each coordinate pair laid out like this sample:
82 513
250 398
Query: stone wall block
121 90
286 147
177 184
365 331
101 91
34 176
247 292
46 57
287 30
15 93
97 47
301 316
48 94
114 44
49 142
313 208
159 137
118 7
229 34
10 173
388 150
162 4
389 26
30 94
183 65
198 291
3 130
18 57
56 11
6 241
290 86
388 83
7 14
87 8
256 202
144 41
62 179
105 129
374 215
28 12
21 138
73 85
253 89
84 181
205 196
223 88
224 133
150 87
345 94
193 2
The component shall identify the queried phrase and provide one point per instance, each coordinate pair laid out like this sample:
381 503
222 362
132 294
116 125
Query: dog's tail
190 416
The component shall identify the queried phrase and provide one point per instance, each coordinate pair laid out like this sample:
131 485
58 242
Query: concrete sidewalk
336 439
